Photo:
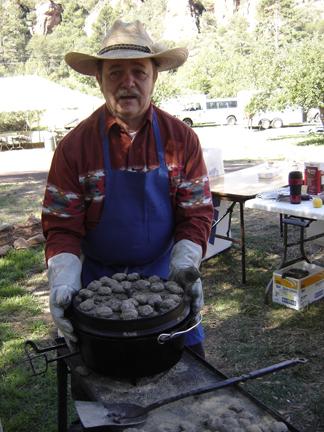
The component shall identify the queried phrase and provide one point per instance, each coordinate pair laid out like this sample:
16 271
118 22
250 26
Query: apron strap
105 145
158 140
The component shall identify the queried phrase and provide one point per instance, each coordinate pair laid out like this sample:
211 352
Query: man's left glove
185 261
64 276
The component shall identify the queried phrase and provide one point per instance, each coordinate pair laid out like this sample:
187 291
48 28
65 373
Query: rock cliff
182 17
48 16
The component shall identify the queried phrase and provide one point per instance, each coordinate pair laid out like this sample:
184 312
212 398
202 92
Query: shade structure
31 93
59 105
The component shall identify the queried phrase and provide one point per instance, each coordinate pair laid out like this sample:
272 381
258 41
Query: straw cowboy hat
127 41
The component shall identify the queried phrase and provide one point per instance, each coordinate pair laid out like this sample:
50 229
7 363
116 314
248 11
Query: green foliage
258 102
166 87
220 60
303 76
150 12
100 28
18 120
12 121
281 22
14 35
282 56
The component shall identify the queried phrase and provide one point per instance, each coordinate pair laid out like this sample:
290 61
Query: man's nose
128 79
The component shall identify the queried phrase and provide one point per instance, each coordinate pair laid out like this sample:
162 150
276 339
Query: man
128 189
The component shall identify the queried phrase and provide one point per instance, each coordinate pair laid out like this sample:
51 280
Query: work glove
185 261
64 276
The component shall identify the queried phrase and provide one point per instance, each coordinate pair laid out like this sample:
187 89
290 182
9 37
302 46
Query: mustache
127 93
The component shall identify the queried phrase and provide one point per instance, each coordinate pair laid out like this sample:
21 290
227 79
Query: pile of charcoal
128 297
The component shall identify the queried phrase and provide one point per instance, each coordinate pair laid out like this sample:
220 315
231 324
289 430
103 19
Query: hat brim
165 60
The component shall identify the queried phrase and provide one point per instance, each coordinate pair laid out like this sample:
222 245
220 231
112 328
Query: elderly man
128 189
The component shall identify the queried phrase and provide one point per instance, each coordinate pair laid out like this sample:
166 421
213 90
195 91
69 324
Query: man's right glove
64 276
184 264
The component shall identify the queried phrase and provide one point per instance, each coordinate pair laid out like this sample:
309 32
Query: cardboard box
295 292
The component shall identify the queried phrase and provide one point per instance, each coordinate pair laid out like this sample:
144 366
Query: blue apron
135 231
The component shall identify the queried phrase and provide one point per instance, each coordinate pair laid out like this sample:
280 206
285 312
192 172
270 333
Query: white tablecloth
304 209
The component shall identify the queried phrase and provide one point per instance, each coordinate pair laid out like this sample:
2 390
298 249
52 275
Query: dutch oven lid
126 328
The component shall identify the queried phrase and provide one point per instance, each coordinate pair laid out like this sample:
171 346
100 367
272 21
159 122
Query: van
210 111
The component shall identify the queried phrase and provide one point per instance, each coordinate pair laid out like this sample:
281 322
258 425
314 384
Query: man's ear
99 79
155 72
155 75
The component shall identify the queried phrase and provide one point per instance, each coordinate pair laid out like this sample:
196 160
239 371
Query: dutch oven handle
165 337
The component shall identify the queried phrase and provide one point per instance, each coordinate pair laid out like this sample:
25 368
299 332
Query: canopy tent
30 92
33 93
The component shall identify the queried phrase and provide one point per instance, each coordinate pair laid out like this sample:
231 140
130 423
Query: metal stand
302 223
241 240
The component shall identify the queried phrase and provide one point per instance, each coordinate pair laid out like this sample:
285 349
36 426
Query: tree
303 76
220 59
100 28
14 35
166 87
151 13
281 21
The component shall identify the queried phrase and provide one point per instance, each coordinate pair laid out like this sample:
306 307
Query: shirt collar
110 120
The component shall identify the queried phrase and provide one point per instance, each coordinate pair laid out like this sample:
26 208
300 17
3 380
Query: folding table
239 187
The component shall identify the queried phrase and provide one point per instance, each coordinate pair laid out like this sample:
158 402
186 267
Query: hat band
141 48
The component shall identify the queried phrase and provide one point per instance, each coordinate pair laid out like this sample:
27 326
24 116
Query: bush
18 120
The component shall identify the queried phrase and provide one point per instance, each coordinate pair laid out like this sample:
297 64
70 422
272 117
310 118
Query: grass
27 403
312 138
242 332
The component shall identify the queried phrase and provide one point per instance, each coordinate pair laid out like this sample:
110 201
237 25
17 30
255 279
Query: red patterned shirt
76 182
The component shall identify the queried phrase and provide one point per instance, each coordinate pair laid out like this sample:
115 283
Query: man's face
127 86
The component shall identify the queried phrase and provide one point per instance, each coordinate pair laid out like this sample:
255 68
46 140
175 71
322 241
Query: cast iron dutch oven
132 348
